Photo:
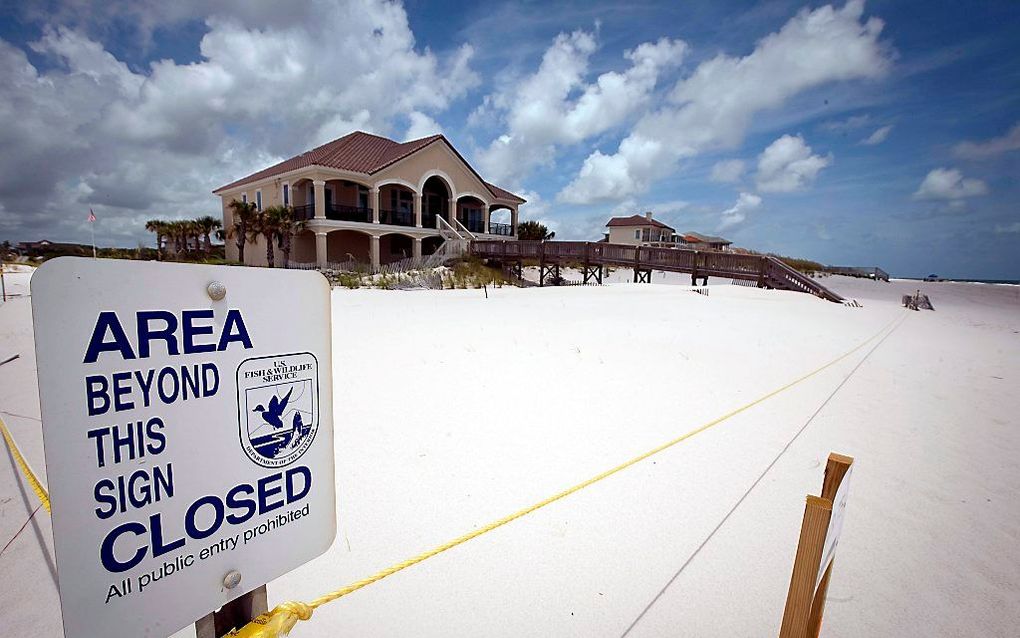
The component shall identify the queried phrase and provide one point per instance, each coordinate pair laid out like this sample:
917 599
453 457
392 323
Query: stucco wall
624 235
437 156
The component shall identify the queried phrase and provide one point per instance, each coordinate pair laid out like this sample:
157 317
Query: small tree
207 225
265 225
241 230
532 230
160 228
283 223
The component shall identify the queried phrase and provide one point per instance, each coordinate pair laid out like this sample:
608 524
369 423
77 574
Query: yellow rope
37 487
282 618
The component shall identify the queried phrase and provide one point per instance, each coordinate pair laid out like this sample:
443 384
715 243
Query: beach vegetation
533 230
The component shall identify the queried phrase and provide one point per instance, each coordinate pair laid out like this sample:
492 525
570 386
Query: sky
883 133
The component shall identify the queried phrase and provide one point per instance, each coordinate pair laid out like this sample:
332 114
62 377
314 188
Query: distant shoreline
1008 282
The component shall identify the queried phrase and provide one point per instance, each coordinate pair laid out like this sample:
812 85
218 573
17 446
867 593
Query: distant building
47 247
698 241
644 230
640 230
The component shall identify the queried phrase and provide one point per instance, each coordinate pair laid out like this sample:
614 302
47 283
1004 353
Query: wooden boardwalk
591 257
871 272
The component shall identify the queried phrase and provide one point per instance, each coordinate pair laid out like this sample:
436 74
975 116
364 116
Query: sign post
188 431
819 537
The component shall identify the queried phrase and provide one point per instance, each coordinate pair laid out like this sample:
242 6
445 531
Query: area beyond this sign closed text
187 435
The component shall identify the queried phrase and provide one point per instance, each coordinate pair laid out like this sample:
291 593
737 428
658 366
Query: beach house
698 241
370 199
639 230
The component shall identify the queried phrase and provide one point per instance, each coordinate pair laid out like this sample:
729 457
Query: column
417 248
375 252
417 210
320 249
453 212
320 198
513 221
487 212
375 213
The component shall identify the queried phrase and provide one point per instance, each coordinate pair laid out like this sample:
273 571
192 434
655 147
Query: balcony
396 217
335 211
501 229
345 213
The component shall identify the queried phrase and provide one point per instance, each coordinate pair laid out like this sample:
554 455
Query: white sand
454 410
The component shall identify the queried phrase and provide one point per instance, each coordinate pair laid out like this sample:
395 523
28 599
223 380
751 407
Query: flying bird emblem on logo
273 415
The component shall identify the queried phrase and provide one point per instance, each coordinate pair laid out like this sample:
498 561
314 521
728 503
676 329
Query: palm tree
173 233
284 224
263 225
533 230
243 214
159 227
207 225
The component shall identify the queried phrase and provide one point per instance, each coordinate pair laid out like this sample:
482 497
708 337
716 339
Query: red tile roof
359 152
637 220
504 194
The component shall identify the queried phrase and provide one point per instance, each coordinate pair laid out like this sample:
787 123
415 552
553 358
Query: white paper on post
185 437
835 525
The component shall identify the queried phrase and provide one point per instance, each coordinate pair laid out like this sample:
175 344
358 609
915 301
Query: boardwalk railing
766 271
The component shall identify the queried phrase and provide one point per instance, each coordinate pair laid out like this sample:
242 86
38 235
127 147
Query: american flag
92 216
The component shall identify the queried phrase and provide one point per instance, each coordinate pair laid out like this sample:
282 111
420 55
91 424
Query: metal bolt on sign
216 290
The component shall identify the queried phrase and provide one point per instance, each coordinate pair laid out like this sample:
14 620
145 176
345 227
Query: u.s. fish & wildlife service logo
278 407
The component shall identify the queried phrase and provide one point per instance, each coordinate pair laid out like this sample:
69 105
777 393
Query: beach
453 409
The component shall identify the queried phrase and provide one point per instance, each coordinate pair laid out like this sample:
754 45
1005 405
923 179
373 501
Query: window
400 200
637 234
258 200
286 194
244 198
362 197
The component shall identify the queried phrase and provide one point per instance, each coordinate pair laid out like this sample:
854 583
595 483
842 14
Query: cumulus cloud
949 184
990 148
140 143
787 165
421 125
727 171
713 107
557 104
878 136
738 212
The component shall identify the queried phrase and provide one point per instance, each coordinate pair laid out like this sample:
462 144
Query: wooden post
234 615
805 602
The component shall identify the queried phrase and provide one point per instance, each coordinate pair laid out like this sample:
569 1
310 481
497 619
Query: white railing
463 229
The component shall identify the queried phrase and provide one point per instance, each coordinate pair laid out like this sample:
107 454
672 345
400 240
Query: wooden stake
805 603
800 597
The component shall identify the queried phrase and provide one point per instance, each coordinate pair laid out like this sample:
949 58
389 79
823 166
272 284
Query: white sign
835 524
187 434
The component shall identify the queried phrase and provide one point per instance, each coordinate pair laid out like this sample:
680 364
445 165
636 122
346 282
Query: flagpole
92 227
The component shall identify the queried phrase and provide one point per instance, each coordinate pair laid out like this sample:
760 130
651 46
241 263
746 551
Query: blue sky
882 133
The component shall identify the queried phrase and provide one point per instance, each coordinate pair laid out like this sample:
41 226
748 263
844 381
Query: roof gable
705 239
637 220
